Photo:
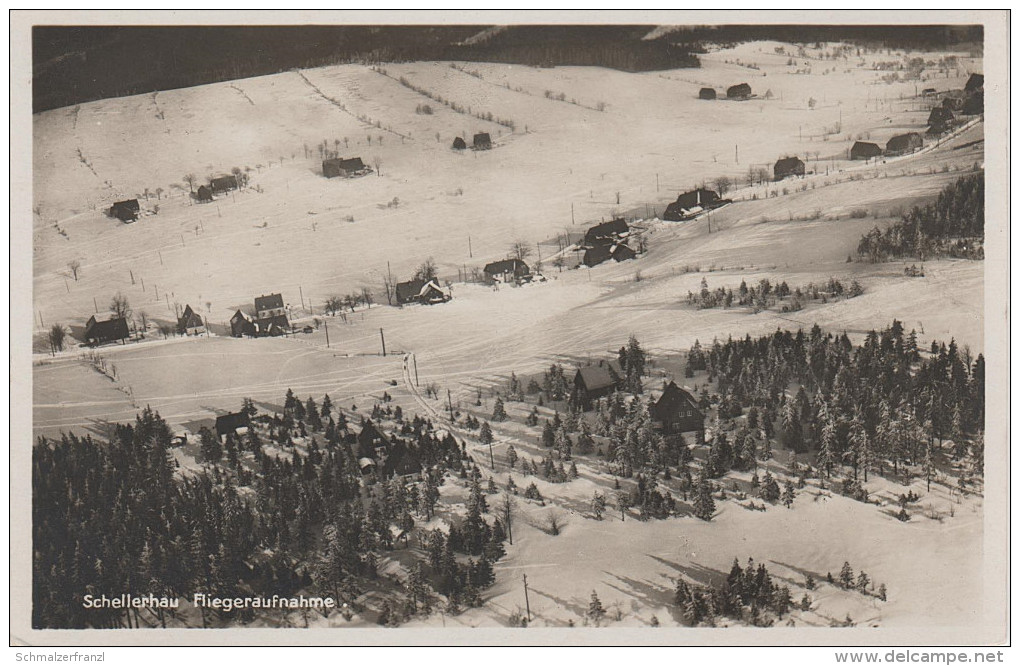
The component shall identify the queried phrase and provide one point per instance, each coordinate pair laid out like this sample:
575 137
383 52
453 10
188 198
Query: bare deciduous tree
190 180
56 337
75 267
119 306
427 270
521 249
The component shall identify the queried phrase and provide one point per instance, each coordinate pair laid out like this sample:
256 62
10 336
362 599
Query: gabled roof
865 148
130 204
190 318
605 375
672 400
608 229
228 423
369 438
268 324
975 82
481 137
739 90
270 302
506 266
903 141
352 164
786 163
112 328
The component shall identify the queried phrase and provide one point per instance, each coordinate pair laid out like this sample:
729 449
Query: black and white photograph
660 329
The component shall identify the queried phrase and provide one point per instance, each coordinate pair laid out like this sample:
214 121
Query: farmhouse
939 119
622 252
384 456
507 270
975 82
689 204
242 325
426 292
676 411
125 211
739 91
596 381
204 194
863 150
607 231
343 168
230 424
596 254
190 323
272 326
788 166
459 144
269 306
101 331
706 93
223 184
481 141
903 143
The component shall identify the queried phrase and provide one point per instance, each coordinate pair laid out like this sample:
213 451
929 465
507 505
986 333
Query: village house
506 271
676 412
222 184
787 167
706 93
425 292
596 254
241 325
481 141
231 424
269 306
343 168
596 381
384 457
190 322
689 204
459 144
864 150
125 211
204 194
975 82
904 143
607 231
740 91
110 329
939 120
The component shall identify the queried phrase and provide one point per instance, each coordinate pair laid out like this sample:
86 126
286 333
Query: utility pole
415 359
736 154
449 403
527 603
66 286
95 304
572 213
143 282
656 182
326 324
132 273
301 294
470 254
160 257
492 461
382 338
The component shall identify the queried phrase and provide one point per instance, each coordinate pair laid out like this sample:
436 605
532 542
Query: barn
739 91
706 93
596 381
190 323
864 150
676 411
125 211
904 143
241 325
691 203
610 230
343 168
101 331
481 141
426 292
459 144
229 424
204 194
787 167
223 184
507 270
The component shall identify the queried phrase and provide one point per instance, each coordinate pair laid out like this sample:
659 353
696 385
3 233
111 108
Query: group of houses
901 144
379 455
674 412
607 240
480 141
217 185
270 319
691 204
967 102
340 167
740 92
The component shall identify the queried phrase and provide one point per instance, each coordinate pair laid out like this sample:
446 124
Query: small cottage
596 254
596 381
740 91
611 230
940 118
222 184
481 141
975 82
425 292
622 252
863 150
100 331
689 204
676 411
125 211
706 93
505 271
204 194
343 168
232 424
459 144
904 143
787 167
190 323
242 325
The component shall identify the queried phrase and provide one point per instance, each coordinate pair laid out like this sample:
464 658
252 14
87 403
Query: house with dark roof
204 194
481 141
242 325
109 329
740 91
269 306
597 253
425 292
676 411
607 231
622 252
904 143
222 184
125 211
864 150
787 167
459 144
384 456
229 424
343 168
689 204
939 120
706 93
505 271
596 381
272 326
975 82
190 322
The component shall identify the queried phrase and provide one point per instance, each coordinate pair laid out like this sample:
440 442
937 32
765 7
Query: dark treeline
953 225
885 36
116 518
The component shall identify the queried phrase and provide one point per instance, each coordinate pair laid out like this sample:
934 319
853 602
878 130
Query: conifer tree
846 576
598 505
788 494
704 504
511 456
485 434
499 411
595 610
